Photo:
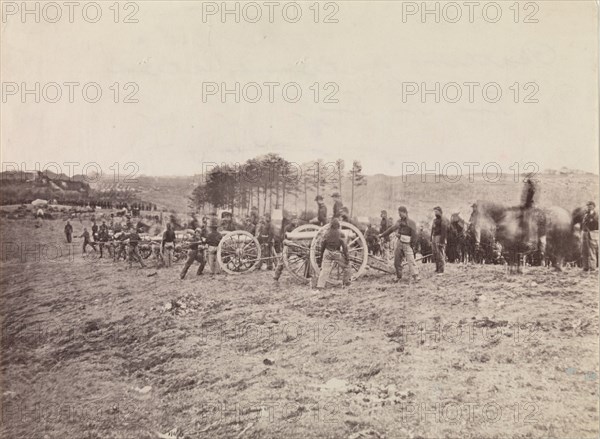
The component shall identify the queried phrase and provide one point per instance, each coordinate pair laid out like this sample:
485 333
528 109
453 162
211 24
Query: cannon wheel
238 252
296 257
358 253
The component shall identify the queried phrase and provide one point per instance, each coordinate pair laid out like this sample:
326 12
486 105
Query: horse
456 242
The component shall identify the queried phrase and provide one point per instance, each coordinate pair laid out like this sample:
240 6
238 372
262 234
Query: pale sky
369 54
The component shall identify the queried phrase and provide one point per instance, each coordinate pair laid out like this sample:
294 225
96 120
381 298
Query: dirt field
92 349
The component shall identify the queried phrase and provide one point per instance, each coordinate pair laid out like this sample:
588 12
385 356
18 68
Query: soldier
294 222
439 230
120 244
87 241
589 231
212 240
330 254
103 238
266 238
345 217
321 212
385 223
168 245
195 253
94 230
254 216
529 192
69 231
134 250
249 226
337 205
407 237
371 235
227 223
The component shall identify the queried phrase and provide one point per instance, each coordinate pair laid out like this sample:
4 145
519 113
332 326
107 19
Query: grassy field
92 349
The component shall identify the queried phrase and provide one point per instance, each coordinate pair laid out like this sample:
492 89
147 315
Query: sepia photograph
357 219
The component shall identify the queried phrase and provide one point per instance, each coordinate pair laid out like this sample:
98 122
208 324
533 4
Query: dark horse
520 231
533 235
457 239
480 241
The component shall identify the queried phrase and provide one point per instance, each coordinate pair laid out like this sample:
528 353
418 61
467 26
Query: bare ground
92 349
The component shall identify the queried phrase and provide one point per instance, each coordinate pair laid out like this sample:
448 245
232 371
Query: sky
374 61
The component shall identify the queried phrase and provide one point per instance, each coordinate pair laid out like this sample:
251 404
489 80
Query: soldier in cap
439 231
227 223
195 253
134 250
589 232
333 251
337 205
407 238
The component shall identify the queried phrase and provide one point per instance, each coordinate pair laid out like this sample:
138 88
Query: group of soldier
407 242
115 240
122 239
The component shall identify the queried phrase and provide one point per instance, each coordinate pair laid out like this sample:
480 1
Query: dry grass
92 349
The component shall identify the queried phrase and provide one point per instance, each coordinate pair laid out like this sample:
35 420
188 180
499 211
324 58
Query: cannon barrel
310 234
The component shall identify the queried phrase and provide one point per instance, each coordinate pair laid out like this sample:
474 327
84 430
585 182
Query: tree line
269 182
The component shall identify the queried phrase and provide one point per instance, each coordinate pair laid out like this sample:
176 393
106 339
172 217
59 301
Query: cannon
301 252
239 252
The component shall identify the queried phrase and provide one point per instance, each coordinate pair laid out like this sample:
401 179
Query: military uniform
337 209
195 253
87 241
134 250
168 246
407 238
322 215
69 232
331 256
212 240
589 248
266 237
280 265
439 231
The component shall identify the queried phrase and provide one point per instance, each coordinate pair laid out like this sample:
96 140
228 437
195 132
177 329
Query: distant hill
385 192
565 188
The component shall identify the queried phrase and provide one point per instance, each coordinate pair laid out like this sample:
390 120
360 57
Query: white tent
39 202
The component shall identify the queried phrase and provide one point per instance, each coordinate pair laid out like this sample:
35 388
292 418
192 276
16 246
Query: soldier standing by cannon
266 237
134 249
213 238
331 254
195 253
407 237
